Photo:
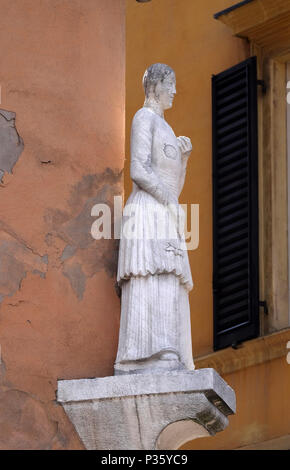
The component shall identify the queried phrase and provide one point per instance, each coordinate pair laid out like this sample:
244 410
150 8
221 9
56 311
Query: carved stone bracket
147 411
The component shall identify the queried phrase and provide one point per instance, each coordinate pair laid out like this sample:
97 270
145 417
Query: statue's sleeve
182 174
142 172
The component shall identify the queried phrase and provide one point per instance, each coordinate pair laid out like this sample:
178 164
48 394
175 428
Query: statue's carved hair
154 74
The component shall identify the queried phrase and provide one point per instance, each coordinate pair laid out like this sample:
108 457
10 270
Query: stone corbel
147 411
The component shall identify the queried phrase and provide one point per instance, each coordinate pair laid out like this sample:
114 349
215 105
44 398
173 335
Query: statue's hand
185 145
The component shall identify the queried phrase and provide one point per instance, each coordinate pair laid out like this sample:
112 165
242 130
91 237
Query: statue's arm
142 172
184 161
185 148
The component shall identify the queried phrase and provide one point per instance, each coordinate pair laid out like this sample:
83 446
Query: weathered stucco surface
185 35
11 142
62 83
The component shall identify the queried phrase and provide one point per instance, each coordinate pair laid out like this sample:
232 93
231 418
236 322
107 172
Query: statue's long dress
153 271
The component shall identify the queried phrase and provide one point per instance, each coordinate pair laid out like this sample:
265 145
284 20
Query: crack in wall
17 260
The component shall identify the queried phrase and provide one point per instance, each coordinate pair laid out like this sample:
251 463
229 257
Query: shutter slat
232 136
232 277
227 79
235 124
227 219
233 288
232 97
231 167
229 299
230 187
232 207
240 234
235 205
231 86
240 306
233 227
240 113
231 257
227 199
230 268
224 150
228 159
231 247
240 319
232 107
234 175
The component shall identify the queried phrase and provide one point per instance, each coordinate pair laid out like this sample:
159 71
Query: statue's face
165 91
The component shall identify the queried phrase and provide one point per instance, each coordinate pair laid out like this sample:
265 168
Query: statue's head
160 84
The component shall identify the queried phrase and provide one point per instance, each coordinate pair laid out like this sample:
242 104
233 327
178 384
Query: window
265 25
235 205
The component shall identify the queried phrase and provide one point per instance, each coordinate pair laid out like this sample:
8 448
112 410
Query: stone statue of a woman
153 270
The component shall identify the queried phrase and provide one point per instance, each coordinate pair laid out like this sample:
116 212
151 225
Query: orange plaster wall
263 410
183 34
62 71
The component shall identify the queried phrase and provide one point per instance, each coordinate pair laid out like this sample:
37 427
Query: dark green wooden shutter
235 205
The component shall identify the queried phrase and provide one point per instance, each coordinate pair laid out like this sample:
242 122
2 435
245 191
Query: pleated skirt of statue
155 318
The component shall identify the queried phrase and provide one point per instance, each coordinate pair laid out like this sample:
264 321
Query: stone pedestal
161 411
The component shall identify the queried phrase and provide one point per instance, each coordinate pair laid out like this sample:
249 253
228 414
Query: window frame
273 192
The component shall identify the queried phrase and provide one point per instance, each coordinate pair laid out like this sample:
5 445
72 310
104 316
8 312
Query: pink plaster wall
62 70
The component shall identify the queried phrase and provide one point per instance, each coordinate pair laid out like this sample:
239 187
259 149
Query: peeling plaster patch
9 233
2 372
16 261
68 252
55 218
73 227
78 229
11 144
41 274
12 272
44 259
91 183
77 279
